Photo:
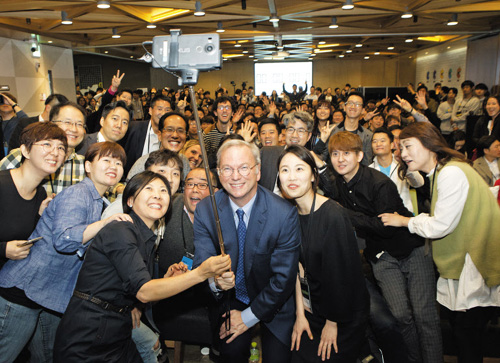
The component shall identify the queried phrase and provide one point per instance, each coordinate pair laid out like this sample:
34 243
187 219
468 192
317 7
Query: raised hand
247 131
116 81
404 104
325 131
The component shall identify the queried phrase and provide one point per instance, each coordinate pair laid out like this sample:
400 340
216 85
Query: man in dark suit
261 233
143 137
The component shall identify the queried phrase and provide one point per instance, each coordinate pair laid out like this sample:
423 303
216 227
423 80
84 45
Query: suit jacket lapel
254 229
229 233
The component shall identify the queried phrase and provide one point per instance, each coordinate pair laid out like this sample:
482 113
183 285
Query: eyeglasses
291 130
78 124
222 108
242 170
171 130
201 186
353 104
47 148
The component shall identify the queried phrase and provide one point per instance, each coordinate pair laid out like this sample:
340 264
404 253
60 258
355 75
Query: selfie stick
190 77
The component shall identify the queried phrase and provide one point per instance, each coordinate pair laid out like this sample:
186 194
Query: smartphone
30 242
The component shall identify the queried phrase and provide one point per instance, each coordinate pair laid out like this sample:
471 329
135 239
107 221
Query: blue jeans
20 325
145 339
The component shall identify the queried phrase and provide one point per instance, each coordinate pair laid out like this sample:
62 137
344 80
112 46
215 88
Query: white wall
30 85
444 63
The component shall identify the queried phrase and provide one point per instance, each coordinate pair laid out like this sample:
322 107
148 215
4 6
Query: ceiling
303 28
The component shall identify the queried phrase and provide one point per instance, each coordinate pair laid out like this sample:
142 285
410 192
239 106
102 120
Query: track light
409 40
103 4
220 29
348 5
454 20
333 24
359 45
115 34
151 26
198 10
64 18
390 47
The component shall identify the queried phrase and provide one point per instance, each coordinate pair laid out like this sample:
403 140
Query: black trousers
238 351
468 332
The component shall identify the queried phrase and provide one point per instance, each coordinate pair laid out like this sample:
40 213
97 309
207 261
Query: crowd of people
335 211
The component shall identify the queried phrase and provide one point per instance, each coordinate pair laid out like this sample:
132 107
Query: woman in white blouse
464 228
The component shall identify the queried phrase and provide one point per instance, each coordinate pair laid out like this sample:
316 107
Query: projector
280 54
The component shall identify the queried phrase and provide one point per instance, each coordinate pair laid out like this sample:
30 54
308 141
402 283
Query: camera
192 51
2 100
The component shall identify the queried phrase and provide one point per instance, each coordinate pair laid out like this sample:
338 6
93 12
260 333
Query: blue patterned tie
241 288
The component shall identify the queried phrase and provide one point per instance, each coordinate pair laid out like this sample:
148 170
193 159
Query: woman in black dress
331 297
116 275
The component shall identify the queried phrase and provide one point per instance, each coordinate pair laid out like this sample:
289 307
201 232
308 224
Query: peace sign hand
116 81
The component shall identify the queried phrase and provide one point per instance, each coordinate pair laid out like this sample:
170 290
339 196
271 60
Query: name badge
188 261
306 294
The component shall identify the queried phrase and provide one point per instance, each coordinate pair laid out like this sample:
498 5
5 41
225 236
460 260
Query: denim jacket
48 275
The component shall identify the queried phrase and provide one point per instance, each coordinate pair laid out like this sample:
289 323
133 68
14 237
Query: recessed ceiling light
103 4
359 45
220 29
321 42
251 56
255 60
151 26
390 47
409 40
348 5
237 45
106 52
348 51
453 21
341 56
50 41
131 56
333 24
448 47
198 10
313 55
377 53
245 51
410 57
367 57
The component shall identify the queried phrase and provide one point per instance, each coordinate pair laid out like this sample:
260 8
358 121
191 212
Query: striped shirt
71 172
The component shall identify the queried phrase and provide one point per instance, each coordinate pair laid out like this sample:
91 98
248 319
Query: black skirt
350 339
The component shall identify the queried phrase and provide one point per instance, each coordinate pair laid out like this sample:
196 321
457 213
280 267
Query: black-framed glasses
191 185
290 130
242 170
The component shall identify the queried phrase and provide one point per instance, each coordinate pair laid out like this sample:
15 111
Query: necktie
241 288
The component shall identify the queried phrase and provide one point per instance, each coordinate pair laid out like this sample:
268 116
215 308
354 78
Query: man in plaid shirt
71 118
